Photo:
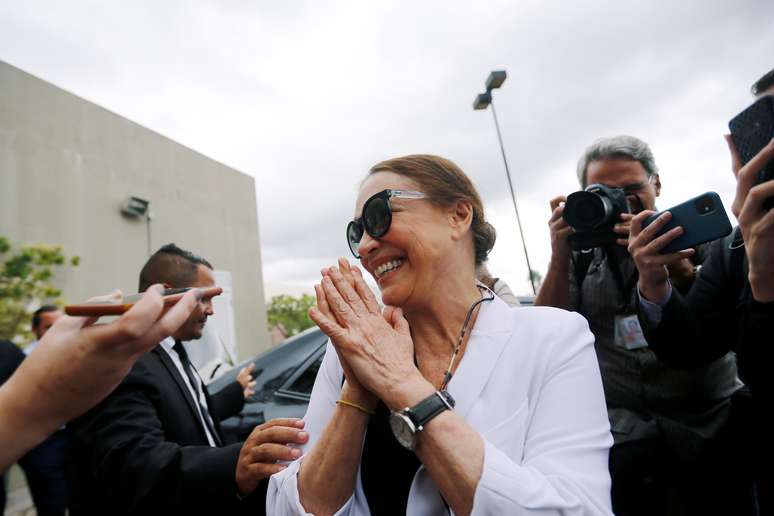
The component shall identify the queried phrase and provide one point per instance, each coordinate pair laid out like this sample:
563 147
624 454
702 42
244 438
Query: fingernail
303 435
295 452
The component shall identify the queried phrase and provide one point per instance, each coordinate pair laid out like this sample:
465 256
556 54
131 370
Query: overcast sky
305 96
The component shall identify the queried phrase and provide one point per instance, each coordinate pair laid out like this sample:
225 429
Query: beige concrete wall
66 165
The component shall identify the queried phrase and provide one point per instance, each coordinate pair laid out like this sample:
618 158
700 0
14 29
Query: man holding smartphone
730 307
154 446
662 420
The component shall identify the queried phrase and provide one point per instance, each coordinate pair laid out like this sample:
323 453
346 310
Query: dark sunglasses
376 217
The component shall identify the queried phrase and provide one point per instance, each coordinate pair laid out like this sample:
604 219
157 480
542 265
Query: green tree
25 280
291 312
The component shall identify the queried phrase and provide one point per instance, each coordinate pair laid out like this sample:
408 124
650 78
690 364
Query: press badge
628 332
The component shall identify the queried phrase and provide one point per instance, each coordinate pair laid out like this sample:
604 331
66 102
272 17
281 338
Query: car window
305 381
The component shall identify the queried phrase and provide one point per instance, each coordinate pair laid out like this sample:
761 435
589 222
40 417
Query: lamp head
482 100
495 79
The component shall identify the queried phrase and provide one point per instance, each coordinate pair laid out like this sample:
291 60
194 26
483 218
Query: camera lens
585 210
705 204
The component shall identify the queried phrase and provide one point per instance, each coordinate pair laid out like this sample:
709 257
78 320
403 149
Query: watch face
403 429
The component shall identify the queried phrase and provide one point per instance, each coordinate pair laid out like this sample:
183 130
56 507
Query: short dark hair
42 310
171 265
763 84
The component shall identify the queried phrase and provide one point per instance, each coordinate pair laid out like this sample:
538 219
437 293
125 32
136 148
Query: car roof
282 359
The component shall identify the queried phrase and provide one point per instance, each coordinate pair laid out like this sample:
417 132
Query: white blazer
529 383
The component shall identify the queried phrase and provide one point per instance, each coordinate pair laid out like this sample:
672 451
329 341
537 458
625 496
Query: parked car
284 378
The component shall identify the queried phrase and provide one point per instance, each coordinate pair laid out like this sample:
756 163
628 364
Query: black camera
592 213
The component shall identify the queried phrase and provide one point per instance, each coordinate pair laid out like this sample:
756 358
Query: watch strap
424 411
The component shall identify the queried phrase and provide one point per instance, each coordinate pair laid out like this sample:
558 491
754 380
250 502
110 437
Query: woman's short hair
445 184
622 146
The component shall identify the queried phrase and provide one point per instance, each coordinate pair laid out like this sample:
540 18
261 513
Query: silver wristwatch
406 423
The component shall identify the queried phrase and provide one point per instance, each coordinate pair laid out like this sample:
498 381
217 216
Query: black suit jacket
11 357
144 450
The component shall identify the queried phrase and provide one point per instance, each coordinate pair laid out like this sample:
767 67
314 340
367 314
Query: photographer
731 307
663 420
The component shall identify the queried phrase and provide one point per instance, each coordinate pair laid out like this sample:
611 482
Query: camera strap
624 287
580 263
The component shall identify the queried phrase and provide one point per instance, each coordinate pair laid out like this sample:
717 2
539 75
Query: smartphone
703 219
100 308
751 130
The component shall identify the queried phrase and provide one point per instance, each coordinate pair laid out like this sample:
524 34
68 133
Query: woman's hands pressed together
375 348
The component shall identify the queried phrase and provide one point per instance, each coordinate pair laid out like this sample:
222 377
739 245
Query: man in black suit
154 446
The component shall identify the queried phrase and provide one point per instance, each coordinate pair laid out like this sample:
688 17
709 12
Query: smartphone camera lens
705 204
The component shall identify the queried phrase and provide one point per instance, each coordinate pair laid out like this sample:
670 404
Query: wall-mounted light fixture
135 207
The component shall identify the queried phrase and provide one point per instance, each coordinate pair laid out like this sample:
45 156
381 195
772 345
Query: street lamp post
483 100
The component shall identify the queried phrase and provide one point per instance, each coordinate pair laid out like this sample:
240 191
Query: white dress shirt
167 344
529 383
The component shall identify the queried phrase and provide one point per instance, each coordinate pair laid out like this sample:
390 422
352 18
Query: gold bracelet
355 406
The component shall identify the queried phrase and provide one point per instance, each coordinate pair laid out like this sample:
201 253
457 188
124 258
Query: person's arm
696 329
285 488
76 365
328 474
645 249
325 479
124 446
555 290
268 445
230 400
127 450
245 379
700 327
227 402
755 221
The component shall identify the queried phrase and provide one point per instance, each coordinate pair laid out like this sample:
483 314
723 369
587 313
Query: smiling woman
448 399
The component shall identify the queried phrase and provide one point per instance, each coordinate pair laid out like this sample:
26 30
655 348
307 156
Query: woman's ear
460 218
